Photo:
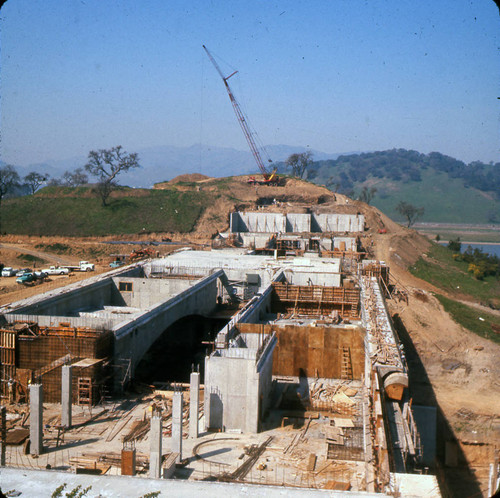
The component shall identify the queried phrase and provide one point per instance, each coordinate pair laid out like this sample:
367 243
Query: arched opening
183 344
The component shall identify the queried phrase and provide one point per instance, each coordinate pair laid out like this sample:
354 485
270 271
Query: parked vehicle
82 266
22 271
40 274
116 264
56 270
26 278
8 271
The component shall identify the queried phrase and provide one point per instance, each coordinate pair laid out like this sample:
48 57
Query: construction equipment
268 178
141 254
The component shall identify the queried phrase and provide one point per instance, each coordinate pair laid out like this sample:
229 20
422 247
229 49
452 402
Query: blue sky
334 75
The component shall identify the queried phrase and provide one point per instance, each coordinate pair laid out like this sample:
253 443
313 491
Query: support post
155 455
36 419
66 395
177 424
194 404
3 434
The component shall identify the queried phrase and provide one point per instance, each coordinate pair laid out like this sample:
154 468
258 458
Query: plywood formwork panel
313 351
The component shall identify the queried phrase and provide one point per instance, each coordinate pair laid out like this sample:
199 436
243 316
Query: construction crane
268 178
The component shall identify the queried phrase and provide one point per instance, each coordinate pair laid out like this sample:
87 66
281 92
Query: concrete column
194 404
177 424
155 456
66 395
36 419
3 434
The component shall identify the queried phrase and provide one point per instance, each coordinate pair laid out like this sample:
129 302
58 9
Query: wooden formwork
313 351
33 353
315 300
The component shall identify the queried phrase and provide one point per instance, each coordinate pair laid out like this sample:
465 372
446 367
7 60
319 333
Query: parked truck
56 270
82 266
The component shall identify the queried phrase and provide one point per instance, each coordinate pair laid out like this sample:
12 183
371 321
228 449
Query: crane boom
268 177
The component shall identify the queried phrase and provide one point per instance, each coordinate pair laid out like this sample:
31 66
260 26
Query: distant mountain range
166 162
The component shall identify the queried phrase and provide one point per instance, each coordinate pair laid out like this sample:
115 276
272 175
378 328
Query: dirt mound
188 177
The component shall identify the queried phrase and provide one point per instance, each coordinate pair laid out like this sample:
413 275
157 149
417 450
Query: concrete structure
258 222
134 306
66 395
298 330
295 232
194 404
36 419
155 453
238 382
177 409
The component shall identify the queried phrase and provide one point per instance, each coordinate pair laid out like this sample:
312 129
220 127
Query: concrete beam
66 395
177 405
194 404
155 455
36 419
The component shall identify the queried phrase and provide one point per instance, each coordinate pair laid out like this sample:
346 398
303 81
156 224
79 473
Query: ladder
85 391
346 366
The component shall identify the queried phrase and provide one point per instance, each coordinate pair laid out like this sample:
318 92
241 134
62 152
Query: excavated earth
450 367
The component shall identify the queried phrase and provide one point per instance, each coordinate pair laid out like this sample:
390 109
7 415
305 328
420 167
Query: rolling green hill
449 190
78 212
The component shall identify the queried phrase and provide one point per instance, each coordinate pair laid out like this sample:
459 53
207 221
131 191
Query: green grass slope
440 269
78 212
444 199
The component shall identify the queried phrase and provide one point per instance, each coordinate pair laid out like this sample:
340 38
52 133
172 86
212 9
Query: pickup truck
26 278
56 270
82 266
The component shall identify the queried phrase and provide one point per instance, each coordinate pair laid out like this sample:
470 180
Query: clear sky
334 75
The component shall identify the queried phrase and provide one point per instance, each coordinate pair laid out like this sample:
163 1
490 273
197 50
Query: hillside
185 205
449 190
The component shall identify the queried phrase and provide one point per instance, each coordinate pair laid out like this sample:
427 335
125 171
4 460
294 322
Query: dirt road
52 258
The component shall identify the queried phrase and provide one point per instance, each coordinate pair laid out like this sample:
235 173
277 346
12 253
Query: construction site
259 363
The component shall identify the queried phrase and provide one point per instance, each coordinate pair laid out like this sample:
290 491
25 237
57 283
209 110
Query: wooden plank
311 462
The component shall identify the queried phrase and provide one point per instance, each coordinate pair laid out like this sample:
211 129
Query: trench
180 346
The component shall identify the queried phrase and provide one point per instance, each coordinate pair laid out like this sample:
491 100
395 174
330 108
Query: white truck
56 270
82 266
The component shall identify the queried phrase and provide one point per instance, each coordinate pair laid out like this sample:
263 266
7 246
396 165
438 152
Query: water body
493 249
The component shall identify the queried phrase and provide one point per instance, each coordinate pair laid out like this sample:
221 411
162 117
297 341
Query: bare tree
367 194
75 178
106 165
410 212
9 179
35 180
299 163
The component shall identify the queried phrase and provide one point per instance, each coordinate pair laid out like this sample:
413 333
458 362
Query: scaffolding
30 353
316 300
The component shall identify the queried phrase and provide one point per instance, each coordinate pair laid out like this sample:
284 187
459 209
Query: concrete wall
349 243
147 292
304 277
135 337
258 222
327 222
237 387
295 222
298 223
92 293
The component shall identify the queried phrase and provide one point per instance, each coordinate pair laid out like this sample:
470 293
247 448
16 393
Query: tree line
103 164
403 166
